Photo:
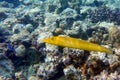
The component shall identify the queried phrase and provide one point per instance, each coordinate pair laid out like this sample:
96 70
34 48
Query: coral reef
24 24
100 14
20 50
114 36
6 66
105 14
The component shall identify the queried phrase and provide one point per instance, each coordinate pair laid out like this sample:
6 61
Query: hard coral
98 35
100 14
114 33
114 66
93 67
114 16
105 14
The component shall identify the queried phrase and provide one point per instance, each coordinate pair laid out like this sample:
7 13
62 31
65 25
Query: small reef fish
10 46
65 41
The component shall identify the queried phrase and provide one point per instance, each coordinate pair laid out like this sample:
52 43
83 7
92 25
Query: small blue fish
10 46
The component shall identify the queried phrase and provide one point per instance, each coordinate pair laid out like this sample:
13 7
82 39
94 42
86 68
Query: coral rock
20 50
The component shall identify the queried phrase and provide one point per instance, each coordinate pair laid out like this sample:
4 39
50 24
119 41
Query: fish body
70 42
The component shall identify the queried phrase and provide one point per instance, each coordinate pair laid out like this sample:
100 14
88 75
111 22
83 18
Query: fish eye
52 38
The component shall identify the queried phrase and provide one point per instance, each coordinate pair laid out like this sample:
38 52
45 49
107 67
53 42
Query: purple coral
115 16
100 14
105 14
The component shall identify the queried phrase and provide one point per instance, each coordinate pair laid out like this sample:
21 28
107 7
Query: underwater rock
100 14
52 56
67 60
76 30
93 67
51 8
9 23
74 56
50 47
115 66
89 64
24 34
58 31
32 71
3 16
4 34
72 51
20 75
50 18
98 34
43 35
98 55
61 6
114 34
20 51
6 66
63 24
47 70
40 19
112 59
29 2
71 73
18 28
2 78
112 4
34 11
75 4
117 51
105 24
115 16
87 2
94 3
104 13
32 56
105 75
27 43
67 22
14 37
68 12
33 78
52 65
27 19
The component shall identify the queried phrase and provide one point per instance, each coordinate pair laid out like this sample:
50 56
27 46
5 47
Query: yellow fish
65 41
